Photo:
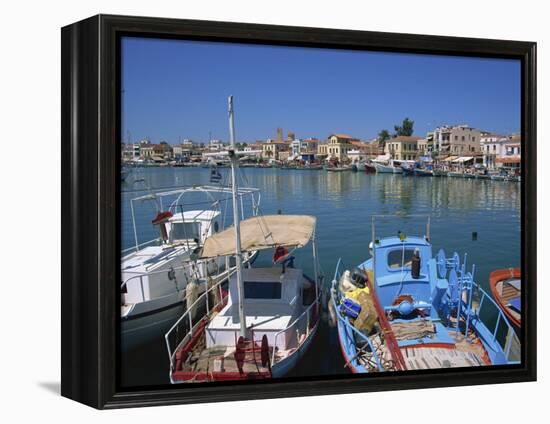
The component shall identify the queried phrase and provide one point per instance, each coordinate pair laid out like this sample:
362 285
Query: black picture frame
91 206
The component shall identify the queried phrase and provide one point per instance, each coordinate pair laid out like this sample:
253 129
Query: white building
216 145
356 156
500 150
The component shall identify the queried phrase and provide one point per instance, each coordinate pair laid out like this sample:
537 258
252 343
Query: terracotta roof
342 136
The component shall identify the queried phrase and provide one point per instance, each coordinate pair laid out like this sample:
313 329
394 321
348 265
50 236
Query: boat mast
238 254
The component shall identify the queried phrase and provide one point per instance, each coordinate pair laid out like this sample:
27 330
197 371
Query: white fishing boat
262 325
389 167
161 276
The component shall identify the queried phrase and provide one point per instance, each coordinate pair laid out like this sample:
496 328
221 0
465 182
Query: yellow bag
354 294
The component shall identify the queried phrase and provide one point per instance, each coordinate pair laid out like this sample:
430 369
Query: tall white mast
238 254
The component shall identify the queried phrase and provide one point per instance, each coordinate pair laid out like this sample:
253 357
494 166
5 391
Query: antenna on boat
238 254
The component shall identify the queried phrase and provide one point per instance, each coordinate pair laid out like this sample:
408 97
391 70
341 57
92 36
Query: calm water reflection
343 204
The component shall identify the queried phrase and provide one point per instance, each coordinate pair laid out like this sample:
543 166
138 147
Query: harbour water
480 217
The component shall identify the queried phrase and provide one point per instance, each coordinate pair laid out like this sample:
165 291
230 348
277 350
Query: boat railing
309 317
210 191
335 299
187 325
501 322
190 270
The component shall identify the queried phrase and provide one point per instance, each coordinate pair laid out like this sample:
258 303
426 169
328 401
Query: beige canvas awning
262 232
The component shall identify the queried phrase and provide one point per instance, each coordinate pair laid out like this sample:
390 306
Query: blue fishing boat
405 309
408 170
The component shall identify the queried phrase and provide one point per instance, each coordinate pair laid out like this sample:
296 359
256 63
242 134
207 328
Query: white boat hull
143 322
140 329
384 169
283 367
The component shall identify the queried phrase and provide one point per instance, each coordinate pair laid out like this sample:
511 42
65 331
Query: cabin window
185 230
262 290
395 258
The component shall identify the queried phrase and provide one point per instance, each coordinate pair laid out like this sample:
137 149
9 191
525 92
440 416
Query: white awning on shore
463 159
260 233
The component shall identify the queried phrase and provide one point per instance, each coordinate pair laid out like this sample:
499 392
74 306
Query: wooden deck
222 359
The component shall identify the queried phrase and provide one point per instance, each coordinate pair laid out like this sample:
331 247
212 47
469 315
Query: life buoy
280 255
161 217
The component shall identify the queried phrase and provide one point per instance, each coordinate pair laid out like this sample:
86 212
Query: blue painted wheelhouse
430 311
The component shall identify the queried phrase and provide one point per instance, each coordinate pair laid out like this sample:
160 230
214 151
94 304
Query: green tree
406 128
383 136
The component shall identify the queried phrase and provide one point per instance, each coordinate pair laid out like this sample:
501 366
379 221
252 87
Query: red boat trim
494 278
391 342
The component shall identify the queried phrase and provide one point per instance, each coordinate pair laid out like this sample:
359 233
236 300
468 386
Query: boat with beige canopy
262 323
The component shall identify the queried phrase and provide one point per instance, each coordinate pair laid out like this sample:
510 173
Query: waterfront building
402 147
336 147
163 150
304 150
356 155
499 150
296 147
254 150
373 148
271 149
308 150
146 150
131 152
491 148
424 146
184 152
178 152
511 152
455 140
216 145
284 155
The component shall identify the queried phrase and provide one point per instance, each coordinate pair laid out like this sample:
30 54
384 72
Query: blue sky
178 89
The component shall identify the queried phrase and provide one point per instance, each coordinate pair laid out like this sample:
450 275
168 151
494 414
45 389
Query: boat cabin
392 260
272 300
144 271
193 225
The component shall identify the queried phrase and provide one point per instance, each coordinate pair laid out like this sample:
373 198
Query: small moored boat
264 323
404 309
160 276
505 286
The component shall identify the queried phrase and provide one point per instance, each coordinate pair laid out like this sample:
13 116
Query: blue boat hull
481 348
